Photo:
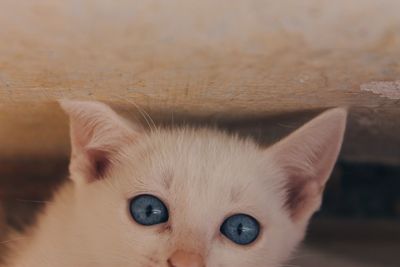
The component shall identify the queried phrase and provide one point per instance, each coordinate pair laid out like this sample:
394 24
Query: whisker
12 240
146 116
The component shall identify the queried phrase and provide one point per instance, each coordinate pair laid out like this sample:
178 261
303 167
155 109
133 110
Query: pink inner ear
97 134
301 194
100 162
307 158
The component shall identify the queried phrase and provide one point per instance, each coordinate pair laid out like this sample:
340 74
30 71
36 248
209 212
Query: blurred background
258 67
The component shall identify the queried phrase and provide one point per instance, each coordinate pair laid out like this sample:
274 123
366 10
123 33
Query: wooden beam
231 60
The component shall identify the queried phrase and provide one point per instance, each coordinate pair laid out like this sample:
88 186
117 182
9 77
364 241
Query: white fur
203 176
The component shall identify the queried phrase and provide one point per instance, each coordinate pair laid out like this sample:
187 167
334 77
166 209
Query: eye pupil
148 210
241 229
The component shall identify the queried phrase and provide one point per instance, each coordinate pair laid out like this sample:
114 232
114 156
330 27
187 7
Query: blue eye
148 210
241 229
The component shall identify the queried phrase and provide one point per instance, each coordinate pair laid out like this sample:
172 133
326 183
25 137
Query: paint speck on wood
388 89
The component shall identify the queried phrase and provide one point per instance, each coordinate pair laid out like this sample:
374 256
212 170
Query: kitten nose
185 259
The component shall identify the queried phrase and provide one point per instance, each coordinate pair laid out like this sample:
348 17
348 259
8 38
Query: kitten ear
307 158
97 133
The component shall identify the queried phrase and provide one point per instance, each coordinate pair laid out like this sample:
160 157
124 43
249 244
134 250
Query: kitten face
202 177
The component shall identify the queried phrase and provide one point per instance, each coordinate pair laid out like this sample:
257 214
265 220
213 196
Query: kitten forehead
199 166
194 155
167 178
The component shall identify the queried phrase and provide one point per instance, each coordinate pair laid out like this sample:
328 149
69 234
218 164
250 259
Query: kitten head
193 197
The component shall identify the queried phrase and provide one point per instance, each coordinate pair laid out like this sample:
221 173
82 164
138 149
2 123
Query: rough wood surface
225 60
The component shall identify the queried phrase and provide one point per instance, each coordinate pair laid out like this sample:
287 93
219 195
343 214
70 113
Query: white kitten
182 197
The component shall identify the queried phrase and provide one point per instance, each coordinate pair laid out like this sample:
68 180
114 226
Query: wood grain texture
225 60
